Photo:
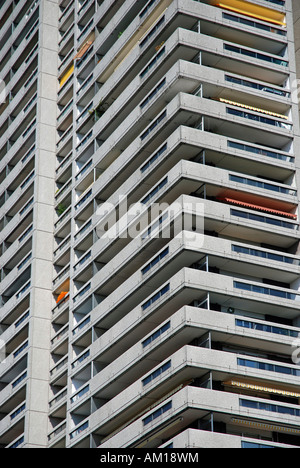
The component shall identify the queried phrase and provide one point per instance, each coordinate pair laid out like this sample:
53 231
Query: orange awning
83 50
61 296
257 207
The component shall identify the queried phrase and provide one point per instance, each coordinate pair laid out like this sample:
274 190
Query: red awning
257 207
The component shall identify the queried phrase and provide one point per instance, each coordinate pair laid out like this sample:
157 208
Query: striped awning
255 109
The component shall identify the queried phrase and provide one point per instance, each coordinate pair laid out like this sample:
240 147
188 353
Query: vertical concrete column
295 41
36 426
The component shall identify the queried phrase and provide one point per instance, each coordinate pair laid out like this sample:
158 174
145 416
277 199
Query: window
147 7
252 445
79 430
260 87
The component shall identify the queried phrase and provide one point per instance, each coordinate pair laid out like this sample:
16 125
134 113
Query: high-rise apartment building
150 263
27 167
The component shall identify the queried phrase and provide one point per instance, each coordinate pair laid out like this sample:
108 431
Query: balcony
181 329
57 437
166 416
58 373
172 380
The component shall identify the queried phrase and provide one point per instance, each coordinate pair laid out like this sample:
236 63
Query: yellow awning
250 9
256 109
67 75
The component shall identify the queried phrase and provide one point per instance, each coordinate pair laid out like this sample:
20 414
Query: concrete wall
36 426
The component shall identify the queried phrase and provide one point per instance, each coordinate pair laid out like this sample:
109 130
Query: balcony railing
153 62
84 228
155 261
57 431
23 290
263 185
258 86
156 297
149 5
80 359
82 260
260 151
58 398
256 55
265 254
80 429
156 334
19 379
264 219
268 367
258 118
266 291
62 363
258 405
62 245
154 158
266 328
153 125
60 334
22 319
79 394
18 411
81 325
